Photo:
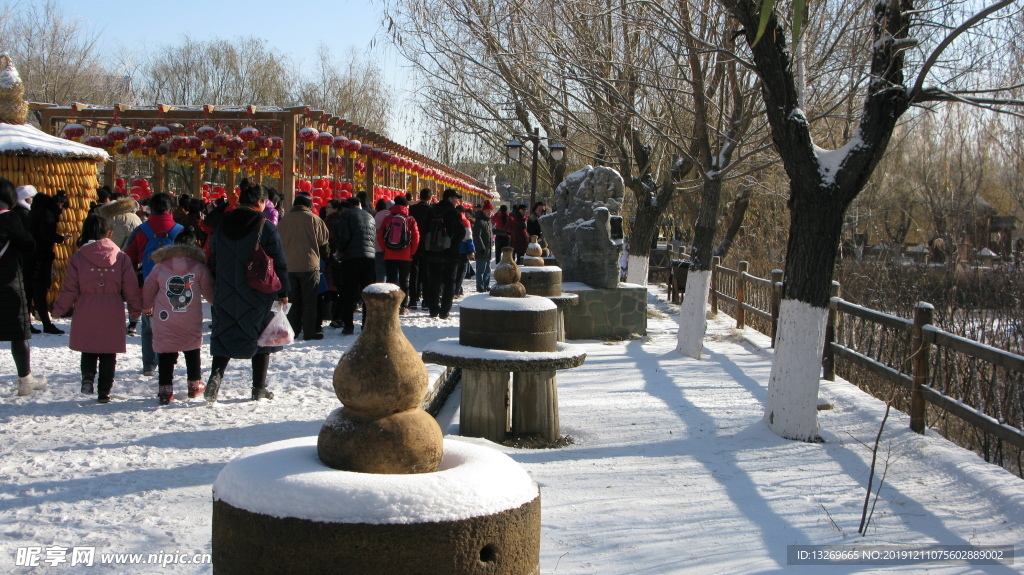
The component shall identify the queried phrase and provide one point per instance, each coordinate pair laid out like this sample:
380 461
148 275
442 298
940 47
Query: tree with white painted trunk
722 96
824 182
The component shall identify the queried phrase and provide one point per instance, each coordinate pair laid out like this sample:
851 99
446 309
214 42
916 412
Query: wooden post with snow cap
828 358
776 302
741 292
920 349
715 261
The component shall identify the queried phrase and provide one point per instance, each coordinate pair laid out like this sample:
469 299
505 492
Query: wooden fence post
776 302
921 349
741 292
828 359
714 285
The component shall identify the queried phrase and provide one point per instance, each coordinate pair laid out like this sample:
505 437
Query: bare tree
58 57
824 182
353 88
228 72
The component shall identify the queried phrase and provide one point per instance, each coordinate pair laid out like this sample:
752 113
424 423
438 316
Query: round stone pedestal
516 324
278 509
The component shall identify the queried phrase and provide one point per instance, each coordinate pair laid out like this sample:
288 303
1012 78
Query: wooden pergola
383 162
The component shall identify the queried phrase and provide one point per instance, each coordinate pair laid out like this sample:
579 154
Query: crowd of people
161 257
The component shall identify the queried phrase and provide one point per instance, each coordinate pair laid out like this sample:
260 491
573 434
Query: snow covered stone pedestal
279 509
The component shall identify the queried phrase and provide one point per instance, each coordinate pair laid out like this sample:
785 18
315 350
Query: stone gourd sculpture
381 382
579 232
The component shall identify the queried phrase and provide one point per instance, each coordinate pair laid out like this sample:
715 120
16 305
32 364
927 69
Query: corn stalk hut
29 156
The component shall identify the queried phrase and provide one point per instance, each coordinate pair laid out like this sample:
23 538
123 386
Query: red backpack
397 235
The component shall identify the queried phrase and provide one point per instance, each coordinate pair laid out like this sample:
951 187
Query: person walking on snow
171 297
100 279
15 243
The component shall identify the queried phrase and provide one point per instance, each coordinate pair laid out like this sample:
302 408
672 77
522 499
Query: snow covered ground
672 470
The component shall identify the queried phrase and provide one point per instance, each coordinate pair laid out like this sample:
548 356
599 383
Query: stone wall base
605 313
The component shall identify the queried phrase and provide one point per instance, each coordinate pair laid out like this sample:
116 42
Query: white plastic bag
278 332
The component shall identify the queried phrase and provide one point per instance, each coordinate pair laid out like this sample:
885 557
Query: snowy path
672 470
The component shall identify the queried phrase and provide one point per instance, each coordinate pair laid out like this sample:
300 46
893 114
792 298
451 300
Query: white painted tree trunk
693 314
637 268
792 407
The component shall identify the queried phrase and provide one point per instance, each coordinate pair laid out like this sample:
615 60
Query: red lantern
206 133
307 136
262 144
123 150
324 140
161 133
221 142
304 185
340 143
248 134
347 186
74 131
353 146
95 141
117 134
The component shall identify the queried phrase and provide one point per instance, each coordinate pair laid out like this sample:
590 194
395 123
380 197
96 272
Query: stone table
485 377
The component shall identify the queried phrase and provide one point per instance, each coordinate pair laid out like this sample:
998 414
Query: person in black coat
420 212
42 224
441 268
15 244
354 241
240 313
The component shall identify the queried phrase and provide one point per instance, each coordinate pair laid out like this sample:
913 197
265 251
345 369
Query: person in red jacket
517 226
398 260
502 231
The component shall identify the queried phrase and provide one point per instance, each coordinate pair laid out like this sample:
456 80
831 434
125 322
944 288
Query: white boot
28 383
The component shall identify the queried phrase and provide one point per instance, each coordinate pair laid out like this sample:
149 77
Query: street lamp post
514 146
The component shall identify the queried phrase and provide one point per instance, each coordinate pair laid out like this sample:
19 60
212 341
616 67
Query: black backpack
397 235
438 239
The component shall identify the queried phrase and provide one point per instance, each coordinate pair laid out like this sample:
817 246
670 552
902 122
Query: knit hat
487 205
24 193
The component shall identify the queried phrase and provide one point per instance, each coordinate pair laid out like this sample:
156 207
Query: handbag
260 274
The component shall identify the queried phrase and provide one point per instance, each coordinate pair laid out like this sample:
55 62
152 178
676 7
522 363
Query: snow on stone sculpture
579 231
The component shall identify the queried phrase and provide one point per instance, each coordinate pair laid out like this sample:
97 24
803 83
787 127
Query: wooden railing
983 387
980 385
751 300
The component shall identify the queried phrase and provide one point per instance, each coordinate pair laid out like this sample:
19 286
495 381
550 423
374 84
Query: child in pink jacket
171 295
100 279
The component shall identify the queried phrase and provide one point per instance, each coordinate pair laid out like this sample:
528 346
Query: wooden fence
983 387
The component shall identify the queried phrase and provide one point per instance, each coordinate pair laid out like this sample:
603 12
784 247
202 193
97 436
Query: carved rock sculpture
579 232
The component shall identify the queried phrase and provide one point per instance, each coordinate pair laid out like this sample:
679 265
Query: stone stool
485 377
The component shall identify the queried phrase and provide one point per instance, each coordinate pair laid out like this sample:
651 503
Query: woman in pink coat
171 295
100 278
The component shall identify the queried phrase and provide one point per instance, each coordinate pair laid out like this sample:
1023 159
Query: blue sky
296 28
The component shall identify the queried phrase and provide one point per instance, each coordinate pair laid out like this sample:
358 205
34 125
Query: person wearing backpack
399 237
158 231
442 238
